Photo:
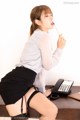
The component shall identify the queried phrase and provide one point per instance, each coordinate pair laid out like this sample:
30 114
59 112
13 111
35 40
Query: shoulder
41 34
41 37
44 39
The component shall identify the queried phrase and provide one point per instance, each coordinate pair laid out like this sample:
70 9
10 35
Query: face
46 21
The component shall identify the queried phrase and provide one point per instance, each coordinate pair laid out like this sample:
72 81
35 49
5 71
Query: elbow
48 66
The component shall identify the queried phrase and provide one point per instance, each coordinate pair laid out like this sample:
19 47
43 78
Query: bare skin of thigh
44 106
39 102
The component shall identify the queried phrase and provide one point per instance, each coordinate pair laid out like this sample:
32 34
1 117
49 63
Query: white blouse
37 54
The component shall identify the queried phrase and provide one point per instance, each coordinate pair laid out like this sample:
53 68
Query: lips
52 23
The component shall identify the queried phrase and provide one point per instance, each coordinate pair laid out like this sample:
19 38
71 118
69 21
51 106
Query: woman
17 88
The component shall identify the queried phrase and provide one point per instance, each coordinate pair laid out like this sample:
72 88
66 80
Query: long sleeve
49 59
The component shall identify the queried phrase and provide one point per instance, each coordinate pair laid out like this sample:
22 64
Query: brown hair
36 14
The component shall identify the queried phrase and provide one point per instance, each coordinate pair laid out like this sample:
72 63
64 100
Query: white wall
14 29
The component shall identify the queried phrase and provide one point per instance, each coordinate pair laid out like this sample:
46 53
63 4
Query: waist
35 68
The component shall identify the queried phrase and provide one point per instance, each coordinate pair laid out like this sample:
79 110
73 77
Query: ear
38 22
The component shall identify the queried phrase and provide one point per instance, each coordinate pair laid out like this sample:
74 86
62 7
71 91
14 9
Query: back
31 55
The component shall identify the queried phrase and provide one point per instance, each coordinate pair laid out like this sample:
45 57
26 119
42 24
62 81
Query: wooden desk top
68 103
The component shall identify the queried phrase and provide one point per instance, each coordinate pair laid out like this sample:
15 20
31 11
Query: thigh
42 104
15 109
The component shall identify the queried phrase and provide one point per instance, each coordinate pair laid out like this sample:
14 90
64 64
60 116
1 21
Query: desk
69 109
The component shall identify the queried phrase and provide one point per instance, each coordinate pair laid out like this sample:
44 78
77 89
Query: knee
52 111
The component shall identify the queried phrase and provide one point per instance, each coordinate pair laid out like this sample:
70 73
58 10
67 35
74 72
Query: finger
60 35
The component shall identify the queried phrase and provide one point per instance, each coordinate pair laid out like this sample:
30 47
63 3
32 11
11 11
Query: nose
51 17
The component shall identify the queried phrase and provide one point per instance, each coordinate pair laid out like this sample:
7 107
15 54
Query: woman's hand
61 42
47 92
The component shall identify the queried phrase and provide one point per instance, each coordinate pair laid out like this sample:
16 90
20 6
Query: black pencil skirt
15 84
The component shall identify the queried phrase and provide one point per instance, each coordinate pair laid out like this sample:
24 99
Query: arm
50 59
40 80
